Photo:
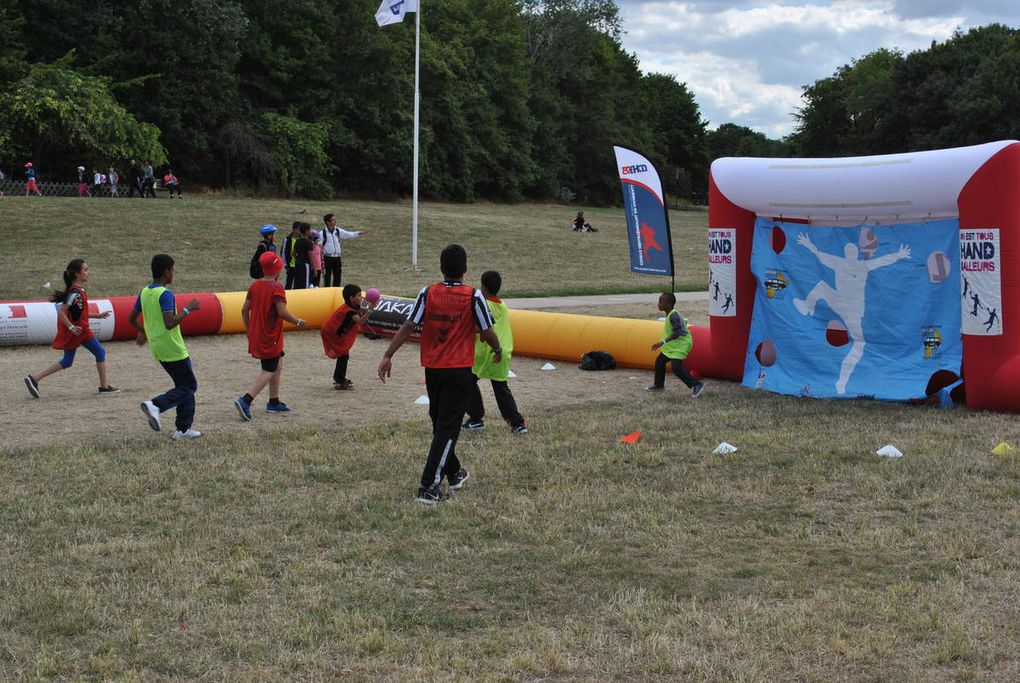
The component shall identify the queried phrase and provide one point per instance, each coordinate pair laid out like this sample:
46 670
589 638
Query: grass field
296 552
213 239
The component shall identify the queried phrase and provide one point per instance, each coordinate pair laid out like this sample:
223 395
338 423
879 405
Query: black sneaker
457 480
428 496
520 429
699 388
108 390
654 388
472 425
33 386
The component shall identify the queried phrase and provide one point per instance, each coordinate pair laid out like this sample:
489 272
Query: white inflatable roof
851 190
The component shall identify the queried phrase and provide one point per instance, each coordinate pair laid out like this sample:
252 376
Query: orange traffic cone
631 438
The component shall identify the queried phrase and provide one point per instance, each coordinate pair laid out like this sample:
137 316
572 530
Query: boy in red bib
73 329
263 313
449 313
341 330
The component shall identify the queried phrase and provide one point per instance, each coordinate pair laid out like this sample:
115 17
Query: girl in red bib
341 330
73 329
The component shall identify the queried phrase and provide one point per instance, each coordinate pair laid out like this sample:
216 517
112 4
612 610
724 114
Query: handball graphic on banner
722 272
651 248
980 282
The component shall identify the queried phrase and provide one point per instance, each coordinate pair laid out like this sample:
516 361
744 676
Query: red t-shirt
77 312
448 330
336 344
265 326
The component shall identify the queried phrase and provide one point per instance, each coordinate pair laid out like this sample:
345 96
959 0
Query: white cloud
746 62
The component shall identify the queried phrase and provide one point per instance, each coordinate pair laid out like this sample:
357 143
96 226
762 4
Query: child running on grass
161 327
341 330
73 328
674 346
486 367
263 313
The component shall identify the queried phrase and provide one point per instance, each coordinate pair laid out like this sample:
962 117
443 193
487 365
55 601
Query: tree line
521 99
963 91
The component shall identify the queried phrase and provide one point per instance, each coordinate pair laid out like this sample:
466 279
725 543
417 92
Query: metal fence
14 187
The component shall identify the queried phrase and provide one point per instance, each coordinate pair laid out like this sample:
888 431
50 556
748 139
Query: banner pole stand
414 200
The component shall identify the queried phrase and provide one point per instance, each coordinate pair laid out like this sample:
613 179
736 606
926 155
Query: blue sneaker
243 407
278 407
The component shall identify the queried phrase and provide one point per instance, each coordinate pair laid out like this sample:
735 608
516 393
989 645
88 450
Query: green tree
851 112
12 52
731 140
678 135
962 91
56 114
299 154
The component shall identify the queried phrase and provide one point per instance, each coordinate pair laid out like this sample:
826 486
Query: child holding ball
341 330
263 313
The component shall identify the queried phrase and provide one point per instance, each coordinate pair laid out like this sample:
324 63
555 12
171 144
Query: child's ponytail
71 272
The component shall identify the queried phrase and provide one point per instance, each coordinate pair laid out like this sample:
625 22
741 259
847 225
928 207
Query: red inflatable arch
977 185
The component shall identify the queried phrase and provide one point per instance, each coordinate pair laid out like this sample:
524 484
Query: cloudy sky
746 62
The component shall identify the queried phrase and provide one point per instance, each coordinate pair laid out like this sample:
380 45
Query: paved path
599 300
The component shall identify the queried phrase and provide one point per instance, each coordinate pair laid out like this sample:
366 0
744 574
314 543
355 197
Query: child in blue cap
268 232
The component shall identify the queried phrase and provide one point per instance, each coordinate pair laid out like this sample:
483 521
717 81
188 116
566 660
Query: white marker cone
548 366
724 449
422 400
889 451
511 374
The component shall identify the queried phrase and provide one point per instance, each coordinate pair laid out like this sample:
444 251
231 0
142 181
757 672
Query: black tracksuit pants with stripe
448 390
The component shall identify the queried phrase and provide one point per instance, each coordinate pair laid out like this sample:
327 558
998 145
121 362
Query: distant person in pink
315 257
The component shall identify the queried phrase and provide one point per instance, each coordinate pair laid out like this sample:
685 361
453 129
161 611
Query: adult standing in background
83 185
135 175
303 257
332 266
289 254
149 181
114 178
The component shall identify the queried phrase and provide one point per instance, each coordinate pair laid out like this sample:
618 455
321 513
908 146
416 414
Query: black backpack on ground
597 360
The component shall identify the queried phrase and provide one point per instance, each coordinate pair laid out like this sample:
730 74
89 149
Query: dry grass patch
299 553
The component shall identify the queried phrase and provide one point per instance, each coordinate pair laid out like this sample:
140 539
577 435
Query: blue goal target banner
847 312
651 249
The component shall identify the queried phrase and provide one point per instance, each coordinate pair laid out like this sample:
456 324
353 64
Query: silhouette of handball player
977 304
846 299
992 317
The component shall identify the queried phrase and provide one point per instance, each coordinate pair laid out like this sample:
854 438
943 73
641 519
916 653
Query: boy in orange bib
340 332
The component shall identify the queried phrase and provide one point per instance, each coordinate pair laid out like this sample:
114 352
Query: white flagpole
414 201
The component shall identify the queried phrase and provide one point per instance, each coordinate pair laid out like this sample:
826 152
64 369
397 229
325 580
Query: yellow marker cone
1003 449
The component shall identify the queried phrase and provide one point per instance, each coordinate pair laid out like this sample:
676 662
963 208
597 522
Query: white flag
393 11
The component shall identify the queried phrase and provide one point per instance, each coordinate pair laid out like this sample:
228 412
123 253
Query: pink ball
372 296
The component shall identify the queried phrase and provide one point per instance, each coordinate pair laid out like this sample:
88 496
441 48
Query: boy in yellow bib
486 367
674 346
161 327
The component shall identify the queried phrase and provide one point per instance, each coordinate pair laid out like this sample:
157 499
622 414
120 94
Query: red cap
28 165
271 263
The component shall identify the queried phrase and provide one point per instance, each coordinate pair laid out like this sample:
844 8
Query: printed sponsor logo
931 339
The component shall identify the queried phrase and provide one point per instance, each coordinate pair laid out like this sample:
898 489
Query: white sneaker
151 414
190 434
